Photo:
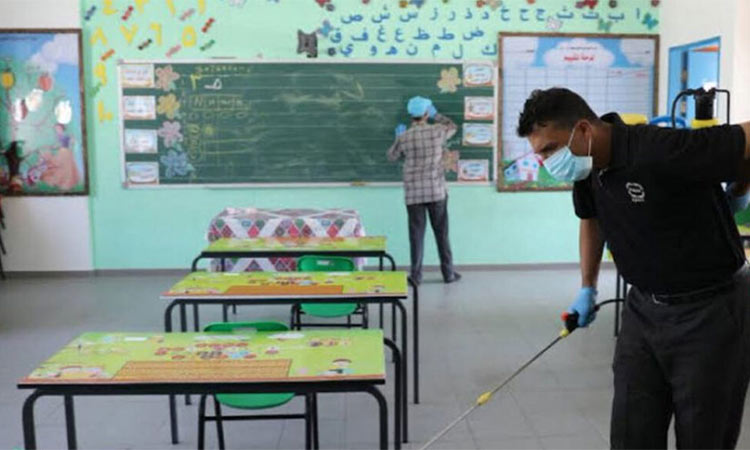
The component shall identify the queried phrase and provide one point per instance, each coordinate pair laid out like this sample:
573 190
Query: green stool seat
254 401
333 310
314 263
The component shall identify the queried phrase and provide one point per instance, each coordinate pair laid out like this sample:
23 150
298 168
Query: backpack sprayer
571 324
704 106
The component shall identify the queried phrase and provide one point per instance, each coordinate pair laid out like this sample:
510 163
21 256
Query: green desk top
296 244
243 357
307 285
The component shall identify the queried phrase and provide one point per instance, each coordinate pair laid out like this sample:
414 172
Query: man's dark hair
557 106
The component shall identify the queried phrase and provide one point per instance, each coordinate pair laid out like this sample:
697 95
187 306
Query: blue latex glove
400 129
736 204
584 306
431 111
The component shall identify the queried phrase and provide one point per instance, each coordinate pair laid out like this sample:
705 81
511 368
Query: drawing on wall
613 73
41 109
140 141
473 170
139 107
479 108
137 75
142 172
478 74
478 134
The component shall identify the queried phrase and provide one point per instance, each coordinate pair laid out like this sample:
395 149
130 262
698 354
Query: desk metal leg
196 318
415 340
172 399
173 419
183 328
400 404
70 423
383 417
404 346
29 431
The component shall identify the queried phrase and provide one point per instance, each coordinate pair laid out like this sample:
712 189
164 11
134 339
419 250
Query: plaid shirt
422 148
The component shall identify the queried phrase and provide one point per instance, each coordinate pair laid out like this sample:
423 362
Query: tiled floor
474 334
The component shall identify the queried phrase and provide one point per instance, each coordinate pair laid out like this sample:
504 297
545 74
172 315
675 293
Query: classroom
359 224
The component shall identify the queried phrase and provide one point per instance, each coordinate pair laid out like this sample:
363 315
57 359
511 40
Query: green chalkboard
281 123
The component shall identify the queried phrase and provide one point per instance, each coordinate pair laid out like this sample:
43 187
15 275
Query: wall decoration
473 170
41 109
479 108
612 73
307 43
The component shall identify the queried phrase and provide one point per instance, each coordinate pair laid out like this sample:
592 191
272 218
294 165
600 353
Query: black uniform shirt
661 206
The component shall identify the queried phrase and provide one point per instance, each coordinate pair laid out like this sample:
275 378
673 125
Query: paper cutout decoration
473 170
449 80
477 135
523 169
479 108
307 43
140 141
142 173
479 74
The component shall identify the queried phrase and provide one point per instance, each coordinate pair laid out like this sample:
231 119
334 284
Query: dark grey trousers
438 212
690 361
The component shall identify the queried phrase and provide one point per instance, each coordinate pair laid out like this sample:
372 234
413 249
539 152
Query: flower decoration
176 163
165 78
449 80
168 105
170 132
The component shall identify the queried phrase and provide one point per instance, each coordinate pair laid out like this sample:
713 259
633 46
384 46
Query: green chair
313 263
255 401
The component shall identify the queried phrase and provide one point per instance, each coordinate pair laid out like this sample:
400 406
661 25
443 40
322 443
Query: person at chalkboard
655 196
421 147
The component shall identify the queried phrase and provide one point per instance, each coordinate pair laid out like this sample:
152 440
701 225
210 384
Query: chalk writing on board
473 170
479 108
137 75
478 134
140 141
139 107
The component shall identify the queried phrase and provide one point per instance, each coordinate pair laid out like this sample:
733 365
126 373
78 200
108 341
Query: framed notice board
267 123
613 73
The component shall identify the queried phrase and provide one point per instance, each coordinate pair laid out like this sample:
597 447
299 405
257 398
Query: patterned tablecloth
254 222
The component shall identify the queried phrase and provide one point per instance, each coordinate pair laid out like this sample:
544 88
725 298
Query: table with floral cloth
255 222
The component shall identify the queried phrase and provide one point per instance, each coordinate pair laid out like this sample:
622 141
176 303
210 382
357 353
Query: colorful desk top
307 285
242 357
295 244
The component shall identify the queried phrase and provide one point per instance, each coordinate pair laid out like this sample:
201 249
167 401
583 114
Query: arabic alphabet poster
41 110
612 73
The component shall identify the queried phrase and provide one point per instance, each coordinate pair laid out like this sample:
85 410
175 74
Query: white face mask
563 165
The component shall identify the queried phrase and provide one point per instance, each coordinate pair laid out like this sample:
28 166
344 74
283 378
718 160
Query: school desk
294 247
256 222
304 362
289 288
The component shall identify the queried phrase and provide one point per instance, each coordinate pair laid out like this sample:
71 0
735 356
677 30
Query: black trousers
438 212
689 361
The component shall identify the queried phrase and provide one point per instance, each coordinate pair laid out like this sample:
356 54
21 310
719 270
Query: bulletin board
613 73
41 108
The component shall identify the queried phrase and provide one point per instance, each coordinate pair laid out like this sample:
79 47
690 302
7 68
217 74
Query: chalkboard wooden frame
82 99
233 60
499 172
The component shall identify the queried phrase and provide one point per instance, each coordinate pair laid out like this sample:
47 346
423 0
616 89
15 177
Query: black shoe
455 277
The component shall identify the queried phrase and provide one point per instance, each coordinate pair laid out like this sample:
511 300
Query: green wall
165 228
